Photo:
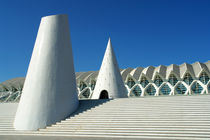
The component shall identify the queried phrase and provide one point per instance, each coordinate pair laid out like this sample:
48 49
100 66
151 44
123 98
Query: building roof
194 69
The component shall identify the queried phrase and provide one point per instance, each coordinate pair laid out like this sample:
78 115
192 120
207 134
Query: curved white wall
49 92
109 77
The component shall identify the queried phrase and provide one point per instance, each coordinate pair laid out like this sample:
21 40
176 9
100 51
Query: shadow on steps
85 105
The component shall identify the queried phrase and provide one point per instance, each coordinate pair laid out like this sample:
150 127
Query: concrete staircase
168 117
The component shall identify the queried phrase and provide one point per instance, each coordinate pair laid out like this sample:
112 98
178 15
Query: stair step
128 127
177 117
134 124
133 121
132 129
136 131
137 117
143 136
175 134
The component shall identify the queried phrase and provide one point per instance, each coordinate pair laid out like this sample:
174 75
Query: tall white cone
49 93
109 80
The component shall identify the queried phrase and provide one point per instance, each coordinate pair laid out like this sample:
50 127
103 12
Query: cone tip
58 15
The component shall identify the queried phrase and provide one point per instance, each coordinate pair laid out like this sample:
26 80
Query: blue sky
143 32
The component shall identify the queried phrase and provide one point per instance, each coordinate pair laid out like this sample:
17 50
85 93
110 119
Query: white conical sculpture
49 93
109 81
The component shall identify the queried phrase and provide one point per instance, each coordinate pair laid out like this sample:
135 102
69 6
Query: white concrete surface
49 93
8 109
109 77
158 118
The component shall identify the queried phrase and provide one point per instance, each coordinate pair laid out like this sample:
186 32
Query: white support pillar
49 93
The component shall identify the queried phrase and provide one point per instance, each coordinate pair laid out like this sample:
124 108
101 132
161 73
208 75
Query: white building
184 79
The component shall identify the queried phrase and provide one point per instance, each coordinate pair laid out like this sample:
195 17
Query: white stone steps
146 105
129 135
136 131
177 117
136 121
175 134
131 125
149 109
144 112
139 117
127 127
132 129
5 128
156 102
145 115
150 137
6 125
6 122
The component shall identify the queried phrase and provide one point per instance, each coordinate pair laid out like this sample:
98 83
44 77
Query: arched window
82 85
144 82
93 83
130 82
172 79
204 78
188 79
151 90
209 87
12 97
180 89
4 97
136 92
14 89
196 88
158 81
165 90
85 94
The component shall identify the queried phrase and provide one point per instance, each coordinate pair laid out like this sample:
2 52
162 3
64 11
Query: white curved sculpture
49 93
109 80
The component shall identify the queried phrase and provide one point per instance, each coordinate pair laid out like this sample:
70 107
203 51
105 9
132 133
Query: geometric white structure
49 93
109 81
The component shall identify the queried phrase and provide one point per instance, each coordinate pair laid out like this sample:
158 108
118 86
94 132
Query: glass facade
209 87
165 90
144 82
196 88
158 81
204 78
4 97
172 79
85 94
151 90
12 97
93 83
165 80
82 85
136 92
180 89
130 82
188 79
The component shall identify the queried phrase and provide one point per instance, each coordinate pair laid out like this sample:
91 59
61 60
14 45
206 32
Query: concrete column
49 93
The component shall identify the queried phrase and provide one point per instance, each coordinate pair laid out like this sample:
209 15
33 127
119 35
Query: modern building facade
185 79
